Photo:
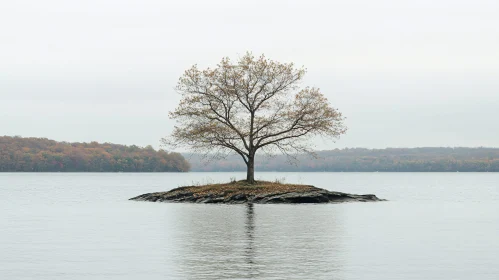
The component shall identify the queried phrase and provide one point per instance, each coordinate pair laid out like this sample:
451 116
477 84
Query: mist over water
81 226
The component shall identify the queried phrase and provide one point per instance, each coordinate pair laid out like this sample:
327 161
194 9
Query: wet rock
309 195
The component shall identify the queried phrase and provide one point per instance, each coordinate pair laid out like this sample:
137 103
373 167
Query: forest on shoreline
366 160
18 154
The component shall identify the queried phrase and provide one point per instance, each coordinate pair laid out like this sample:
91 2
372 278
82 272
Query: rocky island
239 192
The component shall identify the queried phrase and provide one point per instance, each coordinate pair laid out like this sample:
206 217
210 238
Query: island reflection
258 241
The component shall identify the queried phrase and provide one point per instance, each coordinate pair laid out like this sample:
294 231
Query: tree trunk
250 175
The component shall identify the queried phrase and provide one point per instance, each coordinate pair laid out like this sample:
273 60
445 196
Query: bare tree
254 104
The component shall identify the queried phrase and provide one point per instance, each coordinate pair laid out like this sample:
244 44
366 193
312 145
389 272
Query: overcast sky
404 73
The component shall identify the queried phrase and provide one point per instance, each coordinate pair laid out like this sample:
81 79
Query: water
81 226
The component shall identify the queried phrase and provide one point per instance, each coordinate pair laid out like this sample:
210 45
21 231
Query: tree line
18 154
368 160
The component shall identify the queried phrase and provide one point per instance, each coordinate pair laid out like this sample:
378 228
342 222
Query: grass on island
242 187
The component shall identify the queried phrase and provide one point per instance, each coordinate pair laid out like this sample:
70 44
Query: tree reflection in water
250 237
257 241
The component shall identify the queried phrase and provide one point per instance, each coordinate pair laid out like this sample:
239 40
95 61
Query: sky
404 73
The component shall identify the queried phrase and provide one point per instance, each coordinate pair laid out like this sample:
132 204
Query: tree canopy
44 155
250 105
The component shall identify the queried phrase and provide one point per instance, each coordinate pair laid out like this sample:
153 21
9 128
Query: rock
238 195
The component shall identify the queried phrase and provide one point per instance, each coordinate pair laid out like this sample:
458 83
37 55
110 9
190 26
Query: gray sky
404 73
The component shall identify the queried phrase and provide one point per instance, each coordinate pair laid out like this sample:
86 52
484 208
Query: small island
241 108
263 192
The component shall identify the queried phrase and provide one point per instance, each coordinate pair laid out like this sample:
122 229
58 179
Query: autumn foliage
249 105
44 155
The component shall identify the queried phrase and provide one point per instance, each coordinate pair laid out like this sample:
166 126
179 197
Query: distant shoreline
258 171
40 155
19 154
366 160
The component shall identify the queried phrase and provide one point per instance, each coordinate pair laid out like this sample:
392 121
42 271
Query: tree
254 104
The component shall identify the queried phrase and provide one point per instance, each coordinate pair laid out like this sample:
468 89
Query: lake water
81 226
